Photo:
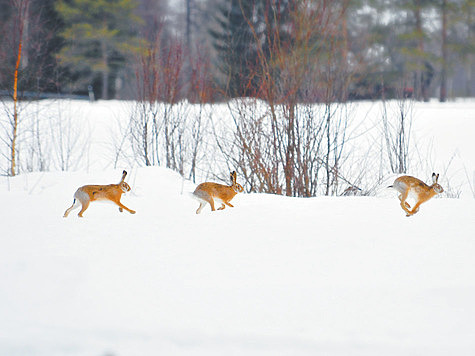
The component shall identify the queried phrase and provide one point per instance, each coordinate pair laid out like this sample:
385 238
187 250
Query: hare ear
435 177
233 177
124 173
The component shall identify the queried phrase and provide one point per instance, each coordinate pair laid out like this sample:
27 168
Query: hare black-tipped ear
233 177
124 173
435 177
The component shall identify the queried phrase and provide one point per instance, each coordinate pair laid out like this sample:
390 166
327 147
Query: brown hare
207 192
88 193
410 186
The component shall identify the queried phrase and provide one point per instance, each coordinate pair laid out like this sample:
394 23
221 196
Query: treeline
210 50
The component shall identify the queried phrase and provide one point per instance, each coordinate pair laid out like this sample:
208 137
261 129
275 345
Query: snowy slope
272 276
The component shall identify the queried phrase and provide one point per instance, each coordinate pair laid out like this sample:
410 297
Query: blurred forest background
212 50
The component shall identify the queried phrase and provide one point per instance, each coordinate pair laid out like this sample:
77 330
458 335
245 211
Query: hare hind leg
203 197
202 205
404 205
199 195
85 205
75 205
416 208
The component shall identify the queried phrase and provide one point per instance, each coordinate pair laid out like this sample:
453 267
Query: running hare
407 185
88 193
207 192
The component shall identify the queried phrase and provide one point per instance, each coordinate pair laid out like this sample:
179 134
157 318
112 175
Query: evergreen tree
399 42
463 40
418 61
233 42
99 35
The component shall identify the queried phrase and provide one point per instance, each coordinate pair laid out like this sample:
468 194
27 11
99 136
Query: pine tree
99 35
414 37
233 42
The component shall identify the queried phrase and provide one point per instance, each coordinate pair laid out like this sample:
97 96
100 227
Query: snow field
272 276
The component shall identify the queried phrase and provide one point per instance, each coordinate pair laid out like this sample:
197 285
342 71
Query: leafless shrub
397 119
70 140
119 142
163 128
293 145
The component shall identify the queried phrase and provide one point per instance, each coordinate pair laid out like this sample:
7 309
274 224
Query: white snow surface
271 276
